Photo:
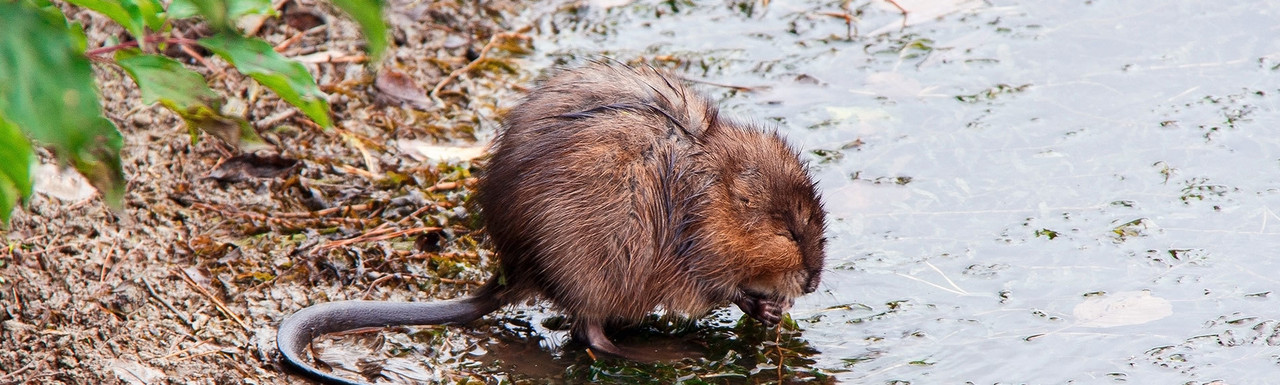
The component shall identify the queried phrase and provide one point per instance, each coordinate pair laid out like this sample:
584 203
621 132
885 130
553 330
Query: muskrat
613 191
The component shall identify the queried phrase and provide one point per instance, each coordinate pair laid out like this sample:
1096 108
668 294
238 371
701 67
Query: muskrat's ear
711 122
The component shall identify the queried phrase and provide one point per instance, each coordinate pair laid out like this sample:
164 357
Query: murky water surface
1020 192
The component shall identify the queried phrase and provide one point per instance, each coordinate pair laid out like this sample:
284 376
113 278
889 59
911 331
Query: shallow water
1039 192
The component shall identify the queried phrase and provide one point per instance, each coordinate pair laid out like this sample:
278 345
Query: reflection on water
995 167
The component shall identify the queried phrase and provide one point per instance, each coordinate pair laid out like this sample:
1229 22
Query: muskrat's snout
811 285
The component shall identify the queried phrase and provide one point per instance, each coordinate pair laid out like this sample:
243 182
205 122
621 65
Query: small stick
186 48
198 344
19 371
48 249
167 305
296 37
239 367
424 229
102 274
729 86
484 53
895 4
777 343
451 185
378 281
356 239
134 43
279 221
201 354
849 29
271 121
325 212
371 237
461 281
216 302
416 213
903 10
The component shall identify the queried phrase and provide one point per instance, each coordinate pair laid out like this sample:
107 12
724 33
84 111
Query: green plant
48 96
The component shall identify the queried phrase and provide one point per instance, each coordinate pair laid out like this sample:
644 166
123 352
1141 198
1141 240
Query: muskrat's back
615 190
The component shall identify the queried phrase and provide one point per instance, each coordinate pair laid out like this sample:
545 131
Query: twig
903 10
452 185
944 276
199 58
729 86
344 210
19 371
389 277
131 44
201 354
954 288
198 344
461 281
216 302
152 291
332 57
271 121
374 237
850 30
102 274
47 249
297 37
280 221
484 55
416 213
377 282
469 256
777 343
236 362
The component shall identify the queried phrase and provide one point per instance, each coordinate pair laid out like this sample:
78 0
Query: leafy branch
48 96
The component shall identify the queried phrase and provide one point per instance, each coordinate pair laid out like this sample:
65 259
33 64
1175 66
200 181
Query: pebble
141 119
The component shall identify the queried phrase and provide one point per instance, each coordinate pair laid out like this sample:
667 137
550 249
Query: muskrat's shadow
723 346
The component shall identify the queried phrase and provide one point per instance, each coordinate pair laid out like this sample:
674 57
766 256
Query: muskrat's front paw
768 311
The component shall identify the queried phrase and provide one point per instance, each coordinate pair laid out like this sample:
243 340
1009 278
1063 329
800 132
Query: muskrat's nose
812 284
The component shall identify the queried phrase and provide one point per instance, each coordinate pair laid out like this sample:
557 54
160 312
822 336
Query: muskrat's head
766 214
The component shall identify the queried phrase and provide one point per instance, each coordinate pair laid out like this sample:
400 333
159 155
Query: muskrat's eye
791 236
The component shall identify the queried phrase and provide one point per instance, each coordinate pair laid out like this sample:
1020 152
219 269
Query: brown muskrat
613 191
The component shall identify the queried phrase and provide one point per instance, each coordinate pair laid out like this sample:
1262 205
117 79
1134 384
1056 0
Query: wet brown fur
612 192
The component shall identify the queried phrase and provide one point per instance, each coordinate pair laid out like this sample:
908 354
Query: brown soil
188 282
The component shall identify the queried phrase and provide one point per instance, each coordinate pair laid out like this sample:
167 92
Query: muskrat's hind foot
592 334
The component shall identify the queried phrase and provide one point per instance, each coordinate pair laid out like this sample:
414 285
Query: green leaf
368 13
16 161
131 21
53 14
149 12
47 91
182 9
183 91
221 14
287 78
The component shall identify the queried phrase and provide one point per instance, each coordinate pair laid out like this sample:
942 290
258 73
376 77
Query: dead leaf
246 166
400 87
62 183
134 373
427 152
1121 309
301 17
